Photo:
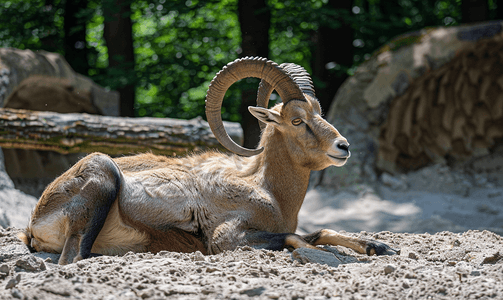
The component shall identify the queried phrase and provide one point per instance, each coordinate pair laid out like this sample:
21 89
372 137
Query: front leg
275 241
360 245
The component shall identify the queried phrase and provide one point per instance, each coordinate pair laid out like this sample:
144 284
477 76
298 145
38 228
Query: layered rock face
429 97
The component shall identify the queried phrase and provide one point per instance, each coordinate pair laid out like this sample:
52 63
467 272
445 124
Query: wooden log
74 133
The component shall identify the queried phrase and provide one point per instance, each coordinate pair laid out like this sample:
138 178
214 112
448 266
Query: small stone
413 255
273 295
13 282
253 292
4 269
198 256
31 263
389 269
307 255
16 294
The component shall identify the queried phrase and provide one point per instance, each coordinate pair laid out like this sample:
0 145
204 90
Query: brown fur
208 202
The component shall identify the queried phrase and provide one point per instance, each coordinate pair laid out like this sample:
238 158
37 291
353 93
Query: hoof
378 248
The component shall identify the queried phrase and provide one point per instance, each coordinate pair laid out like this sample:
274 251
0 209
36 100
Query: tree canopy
180 45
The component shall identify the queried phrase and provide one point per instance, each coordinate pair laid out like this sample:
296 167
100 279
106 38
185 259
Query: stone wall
431 96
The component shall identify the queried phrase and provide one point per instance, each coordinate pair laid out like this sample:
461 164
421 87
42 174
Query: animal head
310 140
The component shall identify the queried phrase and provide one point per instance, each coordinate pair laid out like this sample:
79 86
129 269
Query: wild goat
208 202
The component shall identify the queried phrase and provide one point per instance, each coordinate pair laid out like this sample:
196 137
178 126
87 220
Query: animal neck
279 174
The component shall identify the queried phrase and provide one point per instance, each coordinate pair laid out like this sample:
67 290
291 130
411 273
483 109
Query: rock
198 256
385 108
13 282
16 294
389 269
413 255
253 292
17 66
307 255
31 263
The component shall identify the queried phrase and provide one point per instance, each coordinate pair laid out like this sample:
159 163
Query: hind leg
77 203
88 209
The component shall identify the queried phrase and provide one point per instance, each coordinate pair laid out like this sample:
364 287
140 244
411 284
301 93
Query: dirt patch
442 266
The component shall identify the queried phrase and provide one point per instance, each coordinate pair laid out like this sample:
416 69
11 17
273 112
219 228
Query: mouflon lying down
208 202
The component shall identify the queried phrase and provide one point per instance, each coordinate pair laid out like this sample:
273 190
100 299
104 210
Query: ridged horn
297 73
257 67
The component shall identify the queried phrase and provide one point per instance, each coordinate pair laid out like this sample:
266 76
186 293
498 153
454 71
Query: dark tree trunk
474 11
118 34
255 21
331 45
75 35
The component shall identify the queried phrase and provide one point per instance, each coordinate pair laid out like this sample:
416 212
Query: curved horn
241 68
298 74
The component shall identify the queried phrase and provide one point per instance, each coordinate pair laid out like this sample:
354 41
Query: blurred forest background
161 55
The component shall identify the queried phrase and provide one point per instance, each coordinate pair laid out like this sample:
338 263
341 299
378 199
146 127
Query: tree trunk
474 11
118 34
255 21
75 35
331 46
74 133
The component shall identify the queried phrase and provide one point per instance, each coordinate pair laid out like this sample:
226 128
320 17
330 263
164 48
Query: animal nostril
343 146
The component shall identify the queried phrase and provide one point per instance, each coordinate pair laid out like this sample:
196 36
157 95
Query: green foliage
179 48
32 25
180 45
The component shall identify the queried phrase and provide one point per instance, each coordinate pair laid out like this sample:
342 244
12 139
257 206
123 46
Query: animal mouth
338 157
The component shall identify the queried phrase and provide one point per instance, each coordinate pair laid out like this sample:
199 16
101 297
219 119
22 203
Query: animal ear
265 115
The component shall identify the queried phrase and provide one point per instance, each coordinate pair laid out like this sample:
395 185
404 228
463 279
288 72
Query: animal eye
297 121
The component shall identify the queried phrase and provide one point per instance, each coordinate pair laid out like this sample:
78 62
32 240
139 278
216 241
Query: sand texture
444 265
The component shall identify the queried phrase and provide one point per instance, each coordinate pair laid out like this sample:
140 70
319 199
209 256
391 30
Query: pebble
17 294
13 282
31 263
389 269
306 255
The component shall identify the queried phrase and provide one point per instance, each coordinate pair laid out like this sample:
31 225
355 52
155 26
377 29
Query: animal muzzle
339 149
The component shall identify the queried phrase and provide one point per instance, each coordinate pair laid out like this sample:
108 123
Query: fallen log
77 133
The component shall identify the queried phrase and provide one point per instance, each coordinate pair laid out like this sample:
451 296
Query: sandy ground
429 215
441 266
